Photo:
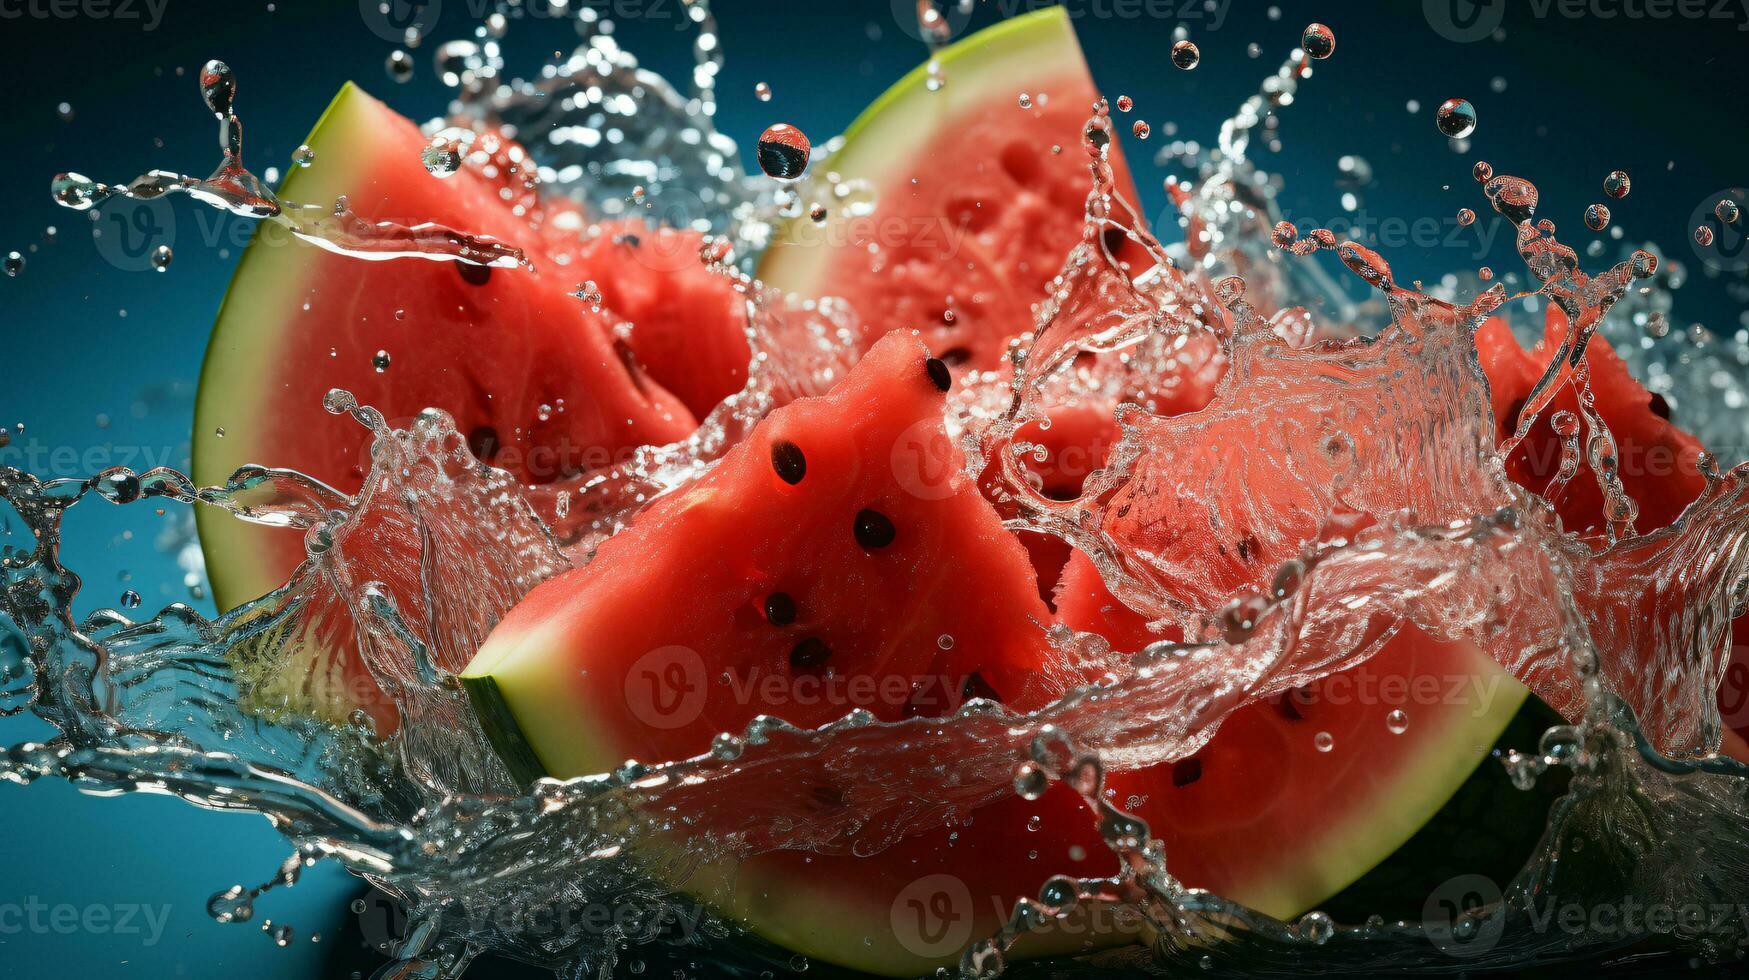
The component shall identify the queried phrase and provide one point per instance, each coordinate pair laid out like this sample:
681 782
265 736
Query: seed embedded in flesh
1186 771
780 609
873 530
788 461
938 373
473 273
808 654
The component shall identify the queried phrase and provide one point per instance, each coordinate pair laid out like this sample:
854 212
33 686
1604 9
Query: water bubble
1185 55
818 213
1315 927
1318 41
65 111
1703 236
282 935
783 152
1323 741
1617 184
1727 211
303 156
443 156
1597 217
1025 101
1456 118
399 65
234 904
1284 234
589 293
1514 198
1060 892
1030 781
218 87
161 257
380 361
1485 274
14 264
1657 326
1397 722
762 92
1644 264
944 641
130 599
1124 104
1466 217
1140 129
1482 171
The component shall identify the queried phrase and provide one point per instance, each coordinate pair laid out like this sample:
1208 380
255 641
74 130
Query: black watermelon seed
1285 704
873 530
780 609
483 443
977 687
1660 407
473 273
808 654
1186 771
788 461
937 369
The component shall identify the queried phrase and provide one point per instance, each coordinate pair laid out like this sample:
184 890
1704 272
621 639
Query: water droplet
1323 741
1033 823
1727 211
1185 55
783 152
1456 118
443 156
303 156
1597 217
380 361
1485 274
818 213
1318 41
1030 781
589 293
65 111
1124 104
1514 198
130 599
1482 171
218 87
14 264
399 65
1140 129
1316 928
944 641
1644 264
1025 101
161 257
1466 217
1703 236
1284 234
1397 722
1657 326
762 92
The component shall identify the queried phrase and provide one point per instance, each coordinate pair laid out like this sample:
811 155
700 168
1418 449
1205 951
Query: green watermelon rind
502 730
228 549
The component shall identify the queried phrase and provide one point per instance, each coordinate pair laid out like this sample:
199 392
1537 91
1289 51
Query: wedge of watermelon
541 383
977 198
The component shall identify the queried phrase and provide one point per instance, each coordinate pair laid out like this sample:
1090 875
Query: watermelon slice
540 382
533 375
977 198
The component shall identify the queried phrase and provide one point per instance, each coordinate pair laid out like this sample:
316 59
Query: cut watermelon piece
977 199
803 554
541 384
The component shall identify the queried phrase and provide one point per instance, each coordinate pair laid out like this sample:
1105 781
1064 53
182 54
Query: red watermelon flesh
978 199
541 384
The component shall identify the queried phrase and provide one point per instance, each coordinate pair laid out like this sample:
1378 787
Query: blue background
99 361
